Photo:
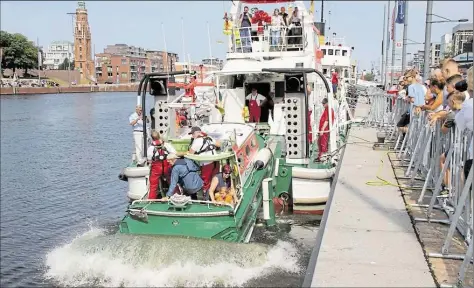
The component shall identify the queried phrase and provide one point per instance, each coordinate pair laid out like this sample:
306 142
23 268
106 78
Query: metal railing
273 39
420 148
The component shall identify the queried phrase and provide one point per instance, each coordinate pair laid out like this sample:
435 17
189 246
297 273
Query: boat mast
322 11
382 72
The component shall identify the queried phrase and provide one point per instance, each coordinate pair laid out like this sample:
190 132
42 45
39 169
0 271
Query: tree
369 77
18 52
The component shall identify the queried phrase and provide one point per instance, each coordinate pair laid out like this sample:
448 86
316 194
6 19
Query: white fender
137 184
264 155
314 174
267 201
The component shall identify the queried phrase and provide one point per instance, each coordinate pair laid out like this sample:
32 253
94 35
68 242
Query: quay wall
72 89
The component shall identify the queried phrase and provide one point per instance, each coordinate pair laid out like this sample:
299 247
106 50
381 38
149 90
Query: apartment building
462 38
219 63
446 46
57 52
121 63
435 55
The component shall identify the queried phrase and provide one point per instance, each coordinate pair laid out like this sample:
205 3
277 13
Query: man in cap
185 173
202 144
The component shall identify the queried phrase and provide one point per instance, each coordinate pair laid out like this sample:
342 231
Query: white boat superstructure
337 56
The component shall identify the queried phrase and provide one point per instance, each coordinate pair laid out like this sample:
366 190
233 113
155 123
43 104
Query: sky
140 23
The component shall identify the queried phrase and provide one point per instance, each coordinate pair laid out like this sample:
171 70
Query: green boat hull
200 220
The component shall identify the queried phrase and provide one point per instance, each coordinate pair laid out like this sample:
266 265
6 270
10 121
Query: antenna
184 47
209 40
167 60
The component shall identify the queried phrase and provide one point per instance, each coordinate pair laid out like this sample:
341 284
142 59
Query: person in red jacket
334 81
323 140
160 168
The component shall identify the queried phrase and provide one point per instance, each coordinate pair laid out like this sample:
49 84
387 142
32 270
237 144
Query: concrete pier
369 239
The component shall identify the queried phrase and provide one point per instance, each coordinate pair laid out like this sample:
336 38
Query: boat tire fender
262 158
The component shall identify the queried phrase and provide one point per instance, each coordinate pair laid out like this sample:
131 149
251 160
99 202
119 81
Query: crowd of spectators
446 97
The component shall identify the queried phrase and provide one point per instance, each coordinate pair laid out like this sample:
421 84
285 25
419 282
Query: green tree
369 77
66 65
18 52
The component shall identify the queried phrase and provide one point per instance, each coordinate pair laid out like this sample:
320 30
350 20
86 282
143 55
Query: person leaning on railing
275 28
245 26
449 87
434 97
455 102
464 120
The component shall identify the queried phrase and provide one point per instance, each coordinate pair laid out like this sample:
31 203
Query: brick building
121 63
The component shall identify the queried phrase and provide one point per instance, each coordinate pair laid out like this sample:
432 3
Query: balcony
273 40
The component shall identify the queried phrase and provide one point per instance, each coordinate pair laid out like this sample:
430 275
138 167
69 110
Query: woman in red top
323 139
334 81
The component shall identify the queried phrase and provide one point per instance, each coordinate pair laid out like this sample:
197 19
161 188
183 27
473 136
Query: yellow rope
381 181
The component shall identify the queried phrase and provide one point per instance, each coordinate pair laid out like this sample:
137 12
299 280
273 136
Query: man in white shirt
136 121
255 101
204 145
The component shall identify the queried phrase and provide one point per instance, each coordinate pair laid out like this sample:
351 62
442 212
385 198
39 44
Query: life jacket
237 36
205 148
159 152
183 162
246 114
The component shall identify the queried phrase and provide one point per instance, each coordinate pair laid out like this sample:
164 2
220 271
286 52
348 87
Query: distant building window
330 52
80 48
344 52
124 75
338 53
109 74
80 65
124 61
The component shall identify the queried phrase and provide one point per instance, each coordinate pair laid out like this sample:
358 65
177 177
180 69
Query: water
61 202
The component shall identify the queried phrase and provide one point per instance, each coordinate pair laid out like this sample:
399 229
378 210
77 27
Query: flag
393 24
400 12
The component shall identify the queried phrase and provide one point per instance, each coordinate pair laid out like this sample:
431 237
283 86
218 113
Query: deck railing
420 151
273 39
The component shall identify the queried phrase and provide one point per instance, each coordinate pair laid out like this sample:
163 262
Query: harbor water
61 202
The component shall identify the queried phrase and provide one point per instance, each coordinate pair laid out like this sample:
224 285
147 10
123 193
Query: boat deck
368 238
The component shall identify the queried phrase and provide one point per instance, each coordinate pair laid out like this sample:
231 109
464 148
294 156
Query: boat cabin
337 58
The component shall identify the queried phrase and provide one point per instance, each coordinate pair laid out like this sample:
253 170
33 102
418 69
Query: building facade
446 46
82 44
435 55
121 63
214 62
56 53
462 38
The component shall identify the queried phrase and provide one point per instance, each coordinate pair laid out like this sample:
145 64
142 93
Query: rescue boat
275 167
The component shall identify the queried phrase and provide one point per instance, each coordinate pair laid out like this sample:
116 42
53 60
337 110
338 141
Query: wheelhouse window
324 51
338 53
330 52
325 71
344 52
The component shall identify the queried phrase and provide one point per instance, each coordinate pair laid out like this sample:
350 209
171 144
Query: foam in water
138 261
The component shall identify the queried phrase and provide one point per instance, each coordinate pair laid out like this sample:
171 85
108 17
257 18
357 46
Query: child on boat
221 189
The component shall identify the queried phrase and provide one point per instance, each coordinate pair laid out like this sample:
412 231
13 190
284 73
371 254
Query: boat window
338 53
240 159
344 52
330 52
253 142
324 51
325 71
346 73
247 150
